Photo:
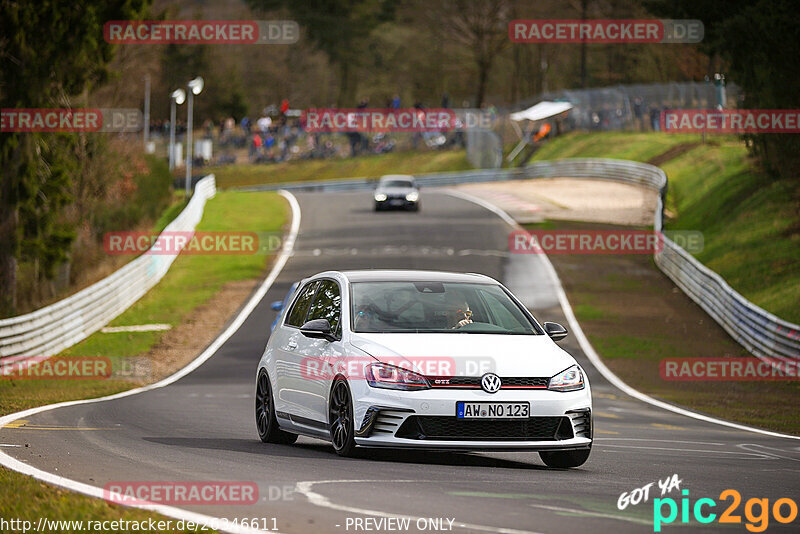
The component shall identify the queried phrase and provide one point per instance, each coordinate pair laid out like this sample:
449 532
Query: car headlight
380 197
412 197
381 375
568 380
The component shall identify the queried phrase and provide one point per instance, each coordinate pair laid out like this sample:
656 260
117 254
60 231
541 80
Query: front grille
472 382
454 381
523 382
430 427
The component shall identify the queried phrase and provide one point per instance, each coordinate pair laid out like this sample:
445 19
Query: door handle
291 345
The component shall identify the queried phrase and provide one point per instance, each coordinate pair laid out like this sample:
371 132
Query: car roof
399 275
403 177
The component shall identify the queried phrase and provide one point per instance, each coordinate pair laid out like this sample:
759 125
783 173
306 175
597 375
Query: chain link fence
637 106
484 149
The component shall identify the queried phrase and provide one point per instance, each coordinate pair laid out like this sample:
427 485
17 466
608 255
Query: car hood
468 354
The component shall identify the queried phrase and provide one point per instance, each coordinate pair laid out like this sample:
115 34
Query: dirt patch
672 153
570 199
635 316
182 344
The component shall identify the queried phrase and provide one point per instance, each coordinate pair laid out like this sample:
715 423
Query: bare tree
480 27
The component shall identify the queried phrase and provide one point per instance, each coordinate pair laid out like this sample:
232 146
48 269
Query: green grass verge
372 166
616 145
191 281
27 499
749 222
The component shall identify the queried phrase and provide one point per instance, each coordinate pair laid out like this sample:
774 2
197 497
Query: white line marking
136 328
305 487
589 513
587 348
661 441
9 445
168 511
771 454
747 454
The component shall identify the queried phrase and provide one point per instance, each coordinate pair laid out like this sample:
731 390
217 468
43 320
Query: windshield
436 307
397 183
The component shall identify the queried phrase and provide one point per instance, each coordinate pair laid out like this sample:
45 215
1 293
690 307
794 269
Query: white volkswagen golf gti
421 359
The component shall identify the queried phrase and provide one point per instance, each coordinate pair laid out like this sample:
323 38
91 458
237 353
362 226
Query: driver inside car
459 313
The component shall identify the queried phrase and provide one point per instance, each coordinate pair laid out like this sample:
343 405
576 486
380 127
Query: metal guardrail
56 327
49 330
760 332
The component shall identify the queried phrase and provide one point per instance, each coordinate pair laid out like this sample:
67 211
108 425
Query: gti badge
491 383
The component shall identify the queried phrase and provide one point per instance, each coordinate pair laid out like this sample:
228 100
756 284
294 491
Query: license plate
493 410
396 202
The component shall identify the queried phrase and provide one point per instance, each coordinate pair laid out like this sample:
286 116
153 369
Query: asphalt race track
202 427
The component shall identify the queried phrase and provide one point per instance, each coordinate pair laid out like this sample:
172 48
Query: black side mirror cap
318 329
555 331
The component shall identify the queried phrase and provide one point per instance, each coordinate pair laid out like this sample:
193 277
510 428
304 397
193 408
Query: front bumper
427 420
395 203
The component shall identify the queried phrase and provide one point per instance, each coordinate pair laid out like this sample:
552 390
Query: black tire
266 423
378 207
565 459
340 419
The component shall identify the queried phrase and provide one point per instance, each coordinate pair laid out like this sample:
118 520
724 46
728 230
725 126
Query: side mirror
555 331
277 305
318 329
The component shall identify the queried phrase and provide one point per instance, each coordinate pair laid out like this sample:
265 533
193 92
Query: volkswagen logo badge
491 383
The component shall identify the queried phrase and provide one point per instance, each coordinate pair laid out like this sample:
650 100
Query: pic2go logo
758 521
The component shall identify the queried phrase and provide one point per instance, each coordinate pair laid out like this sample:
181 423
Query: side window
327 304
297 315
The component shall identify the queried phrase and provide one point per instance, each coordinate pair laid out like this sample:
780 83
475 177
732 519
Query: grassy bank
635 317
134 192
617 145
373 165
192 282
749 222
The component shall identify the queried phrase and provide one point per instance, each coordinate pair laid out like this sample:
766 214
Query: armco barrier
49 330
760 332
